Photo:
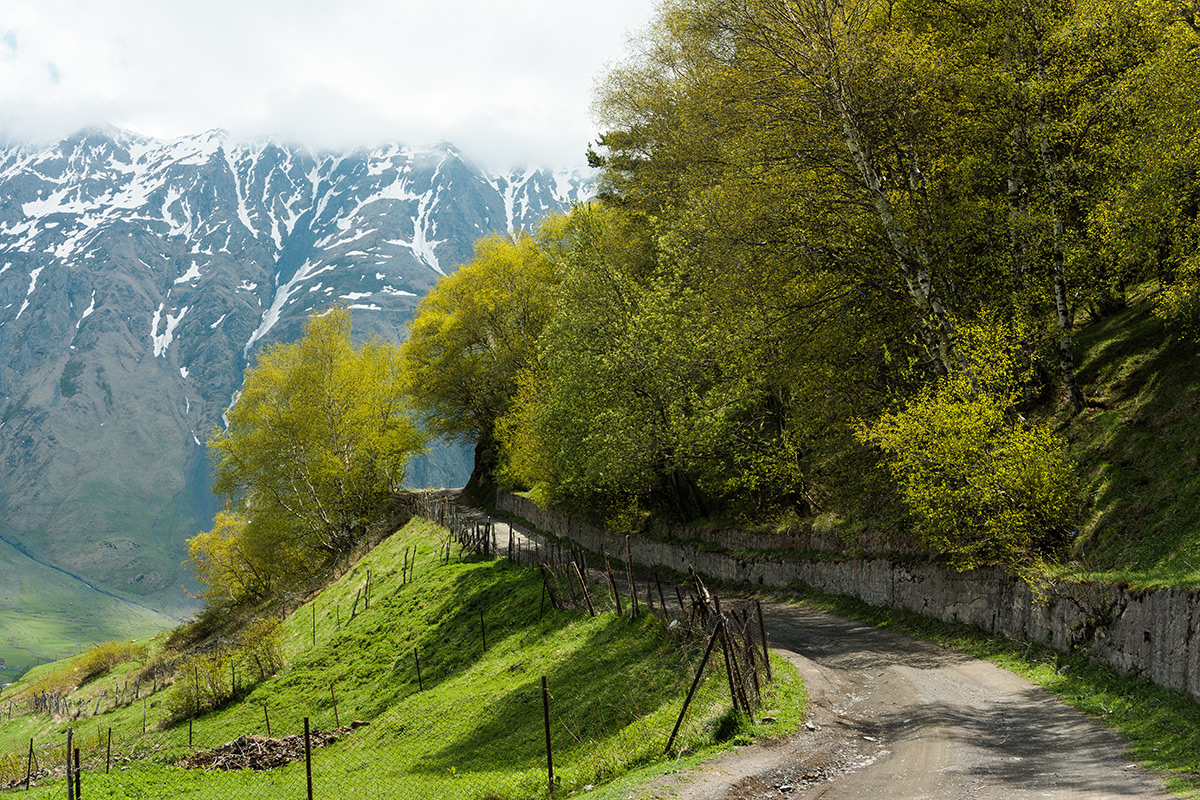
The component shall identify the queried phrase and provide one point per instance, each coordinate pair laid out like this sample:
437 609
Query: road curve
894 717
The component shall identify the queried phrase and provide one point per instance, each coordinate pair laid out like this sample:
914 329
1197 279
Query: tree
473 333
318 439
664 382
1149 220
237 562
836 101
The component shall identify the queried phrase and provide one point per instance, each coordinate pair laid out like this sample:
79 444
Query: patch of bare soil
262 752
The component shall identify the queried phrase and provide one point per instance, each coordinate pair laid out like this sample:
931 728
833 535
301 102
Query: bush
984 485
260 652
204 681
103 657
12 768
95 662
201 684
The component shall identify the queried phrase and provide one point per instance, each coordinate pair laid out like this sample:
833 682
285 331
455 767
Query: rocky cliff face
138 278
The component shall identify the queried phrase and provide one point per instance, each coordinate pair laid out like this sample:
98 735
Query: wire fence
534 729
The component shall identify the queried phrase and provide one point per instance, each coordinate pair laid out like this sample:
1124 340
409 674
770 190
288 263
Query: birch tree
319 438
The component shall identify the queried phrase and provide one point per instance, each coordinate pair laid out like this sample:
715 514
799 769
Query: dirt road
892 717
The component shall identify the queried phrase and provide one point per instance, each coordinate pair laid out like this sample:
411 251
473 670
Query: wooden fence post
613 583
753 668
549 751
731 664
571 588
695 682
29 768
108 754
308 758
70 777
762 632
554 599
78 777
587 596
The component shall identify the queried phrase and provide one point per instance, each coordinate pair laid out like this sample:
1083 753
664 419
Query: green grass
46 615
1162 726
476 731
1139 453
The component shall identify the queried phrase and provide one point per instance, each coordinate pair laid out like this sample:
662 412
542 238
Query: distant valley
138 279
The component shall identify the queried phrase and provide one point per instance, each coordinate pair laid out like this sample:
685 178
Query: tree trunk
911 258
1066 346
481 486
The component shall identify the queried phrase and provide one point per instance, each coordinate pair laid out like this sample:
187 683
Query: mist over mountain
139 278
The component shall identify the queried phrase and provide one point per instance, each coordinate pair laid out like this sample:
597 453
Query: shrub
260 651
204 681
201 684
95 662
103 657
984 485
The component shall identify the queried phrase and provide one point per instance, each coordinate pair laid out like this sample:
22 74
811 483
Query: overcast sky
508 81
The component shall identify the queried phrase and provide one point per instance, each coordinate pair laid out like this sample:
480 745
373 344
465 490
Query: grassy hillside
476 729
46 614
1139 451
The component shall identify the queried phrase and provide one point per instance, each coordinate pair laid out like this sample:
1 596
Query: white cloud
507 82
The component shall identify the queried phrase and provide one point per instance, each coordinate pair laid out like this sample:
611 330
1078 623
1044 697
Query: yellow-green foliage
103 657
12 768
260 652
239 559
317 442
204 681
95 662
983 484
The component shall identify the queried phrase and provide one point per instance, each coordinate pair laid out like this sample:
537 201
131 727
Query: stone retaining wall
734 539
1156 634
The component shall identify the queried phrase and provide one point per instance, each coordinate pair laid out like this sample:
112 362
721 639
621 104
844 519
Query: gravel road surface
893 717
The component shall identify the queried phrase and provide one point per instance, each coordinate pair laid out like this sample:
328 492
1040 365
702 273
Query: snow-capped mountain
138 278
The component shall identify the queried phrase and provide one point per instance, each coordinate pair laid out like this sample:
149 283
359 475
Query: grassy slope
1140 454
44 614
476 730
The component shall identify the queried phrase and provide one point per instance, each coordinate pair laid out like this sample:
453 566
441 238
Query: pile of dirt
262 752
